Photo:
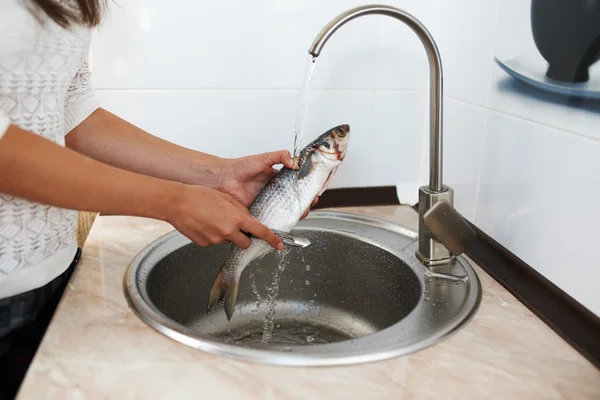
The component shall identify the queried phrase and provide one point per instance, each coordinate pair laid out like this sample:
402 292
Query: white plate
533 72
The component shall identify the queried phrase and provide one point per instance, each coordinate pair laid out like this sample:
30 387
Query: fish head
333 144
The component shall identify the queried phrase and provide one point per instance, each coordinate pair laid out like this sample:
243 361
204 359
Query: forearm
114 141
36 169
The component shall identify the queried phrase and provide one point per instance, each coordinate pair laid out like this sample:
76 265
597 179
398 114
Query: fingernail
280 246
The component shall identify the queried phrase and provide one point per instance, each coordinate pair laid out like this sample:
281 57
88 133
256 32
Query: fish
280 205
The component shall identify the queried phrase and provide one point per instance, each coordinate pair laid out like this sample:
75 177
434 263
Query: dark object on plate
567 34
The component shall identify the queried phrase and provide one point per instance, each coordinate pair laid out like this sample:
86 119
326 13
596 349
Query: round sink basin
356 294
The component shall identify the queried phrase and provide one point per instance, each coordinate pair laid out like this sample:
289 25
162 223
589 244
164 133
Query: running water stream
268 304
303 105
301 114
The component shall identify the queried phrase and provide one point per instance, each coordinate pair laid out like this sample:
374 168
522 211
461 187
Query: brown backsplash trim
568 318
356 197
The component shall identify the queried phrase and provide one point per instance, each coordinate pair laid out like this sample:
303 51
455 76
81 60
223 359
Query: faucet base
433 263
431 252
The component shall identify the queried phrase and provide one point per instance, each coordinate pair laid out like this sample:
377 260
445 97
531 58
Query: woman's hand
243 178
207 217
107 138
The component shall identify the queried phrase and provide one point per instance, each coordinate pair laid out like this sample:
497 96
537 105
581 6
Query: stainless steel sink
356 294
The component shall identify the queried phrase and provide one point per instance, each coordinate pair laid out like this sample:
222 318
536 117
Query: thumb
278 157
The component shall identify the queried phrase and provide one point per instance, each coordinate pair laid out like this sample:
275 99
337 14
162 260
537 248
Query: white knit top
45 89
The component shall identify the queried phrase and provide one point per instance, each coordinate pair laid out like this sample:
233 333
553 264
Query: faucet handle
449 227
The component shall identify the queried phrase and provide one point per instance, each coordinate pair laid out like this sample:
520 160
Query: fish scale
280 205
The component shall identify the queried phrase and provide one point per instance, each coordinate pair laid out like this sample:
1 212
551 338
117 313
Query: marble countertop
96 348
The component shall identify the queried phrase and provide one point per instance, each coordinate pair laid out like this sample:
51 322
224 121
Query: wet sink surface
356 294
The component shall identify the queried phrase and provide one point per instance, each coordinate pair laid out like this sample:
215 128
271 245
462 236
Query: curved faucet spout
443 233
435 63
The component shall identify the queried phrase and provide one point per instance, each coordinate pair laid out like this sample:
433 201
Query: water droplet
310 339
308 267
307 282
427 299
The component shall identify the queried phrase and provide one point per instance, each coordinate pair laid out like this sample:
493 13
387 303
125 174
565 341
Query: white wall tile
238 123
395 137
513 29
464 31
264 44
399 56
239 44
179 44
530 200
225 123
463 138
464 133
514 98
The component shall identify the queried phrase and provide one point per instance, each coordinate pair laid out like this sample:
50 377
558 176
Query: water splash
269 302
259 300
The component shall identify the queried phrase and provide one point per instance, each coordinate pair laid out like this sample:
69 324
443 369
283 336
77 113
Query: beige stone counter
96 348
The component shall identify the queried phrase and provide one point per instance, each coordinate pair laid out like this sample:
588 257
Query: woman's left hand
243 178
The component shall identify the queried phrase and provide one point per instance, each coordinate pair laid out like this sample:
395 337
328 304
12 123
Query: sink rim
313 355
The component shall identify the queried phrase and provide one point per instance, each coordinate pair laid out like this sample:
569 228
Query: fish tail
224 289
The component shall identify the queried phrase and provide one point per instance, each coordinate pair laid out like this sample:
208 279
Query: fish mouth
335 154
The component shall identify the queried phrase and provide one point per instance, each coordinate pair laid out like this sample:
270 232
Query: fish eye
326 145
341 133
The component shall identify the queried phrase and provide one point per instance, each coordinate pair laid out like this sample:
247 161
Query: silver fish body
279 206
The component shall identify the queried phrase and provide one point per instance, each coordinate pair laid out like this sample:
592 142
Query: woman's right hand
207 217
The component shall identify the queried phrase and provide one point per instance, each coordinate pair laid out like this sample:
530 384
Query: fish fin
231 292
223 289
306 168
216 292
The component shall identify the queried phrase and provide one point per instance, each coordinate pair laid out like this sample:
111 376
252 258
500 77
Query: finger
278 157
240 240
305 214
260 231
315 201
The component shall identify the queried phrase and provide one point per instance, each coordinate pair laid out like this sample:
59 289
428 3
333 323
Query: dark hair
87 12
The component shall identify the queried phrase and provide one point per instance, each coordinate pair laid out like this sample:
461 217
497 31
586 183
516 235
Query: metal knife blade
288 239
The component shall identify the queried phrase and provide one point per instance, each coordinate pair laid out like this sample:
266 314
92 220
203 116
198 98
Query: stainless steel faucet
443 232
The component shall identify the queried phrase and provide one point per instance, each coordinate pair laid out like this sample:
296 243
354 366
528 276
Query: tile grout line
411 91
183 90
500 112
